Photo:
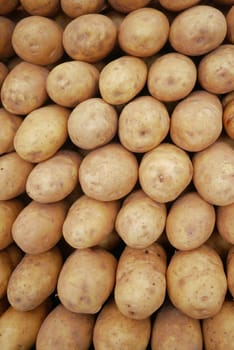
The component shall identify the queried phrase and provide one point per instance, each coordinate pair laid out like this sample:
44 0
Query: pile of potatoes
117 175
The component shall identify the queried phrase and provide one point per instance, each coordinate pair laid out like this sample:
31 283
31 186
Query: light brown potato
228 119
76 8
89 221
225 222
13 175
39 238
122 79
115 331
140 287
219 244
165 172
9 125
65 330
178 5
42 49
34 279
143 124
218 331
42 133
196 121
24 89
93 123
6 268
196 282
108 173
6 28
41 7
230 24
216 71
8 6
174 330
230 270
126 6
86 280
227 98
198 30
171 77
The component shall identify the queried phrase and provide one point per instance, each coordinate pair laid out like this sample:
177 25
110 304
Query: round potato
6 28
6 268
76 8
228 119
230 24
178 5
9 125
40 7
126 6
8 6
225 222
230 270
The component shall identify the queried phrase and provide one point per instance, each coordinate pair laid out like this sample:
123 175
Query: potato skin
126 6
228 119
9 125
178 5
41 7
225 222
230 270
85 6
7 27
230 25
6 268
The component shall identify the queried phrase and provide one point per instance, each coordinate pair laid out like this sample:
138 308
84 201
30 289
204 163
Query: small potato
40 7
6 268
140 287
39 238
230 270
219 244
65 330
86 280
198 30
126 6
42 49
143 124
89 221
93 123
55 178
6 29
90 37
76 8
228 119
230 24
122 79
225 222
24 89
115 331
34 279
165 172
171 77
174 330
196 282
9 125
178 5
108 173
42 133
13 175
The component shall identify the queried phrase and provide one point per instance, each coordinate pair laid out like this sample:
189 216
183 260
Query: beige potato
9 125
86 280
6 268
76 8
6 28
230 24
126 6
41 7
65 330
122 79
42 133
196 282
228 119
225 222
230 270
143 124
219 244
178 5
140 287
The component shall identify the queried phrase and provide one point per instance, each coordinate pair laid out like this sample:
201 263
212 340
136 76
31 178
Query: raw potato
178 5
86 280
34 279
110 242
196 282
89 221
140 287
228 119
115 331
4 70
9 125
39 238
143 124
227 98
108 173
6 29
174 330
65 330
122 79
126 6
15 254
225 222
230 24
93 123
219 244
55 178
198 30
42 133
230 270
6 268
41 7
90 37
76 8
24 89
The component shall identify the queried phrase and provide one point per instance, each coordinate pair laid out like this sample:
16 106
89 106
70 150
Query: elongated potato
230 270
9 125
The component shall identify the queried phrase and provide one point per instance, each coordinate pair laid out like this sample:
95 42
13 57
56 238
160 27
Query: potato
218 331
228 119
76 8
196 282
65 330
230 270
115 331
34 279
24 89
227 98
225 222
55 178
19 329
93 123
108 173
15 254
41 7
42 49
42 133
90 37
213 173
141 221
6 268
219 244
171 77
9 125
4 70
178 5
165 172
6 28
216 71
230 24
140 287
39 238
198 30
143 124
86 280
111 242
196 121
13 175
89 221
174 330
126 6
122 79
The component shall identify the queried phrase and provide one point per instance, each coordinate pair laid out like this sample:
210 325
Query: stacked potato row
117 174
